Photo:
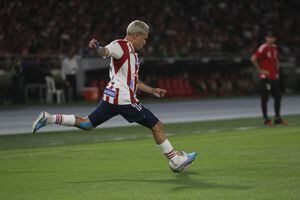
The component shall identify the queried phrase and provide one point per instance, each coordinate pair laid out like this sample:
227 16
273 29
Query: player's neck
130 39
270 44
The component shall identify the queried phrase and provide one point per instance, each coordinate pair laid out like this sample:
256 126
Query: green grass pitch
238 159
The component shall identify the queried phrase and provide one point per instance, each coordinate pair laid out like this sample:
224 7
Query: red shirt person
265 59
267 55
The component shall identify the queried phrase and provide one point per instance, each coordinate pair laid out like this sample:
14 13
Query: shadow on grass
182 181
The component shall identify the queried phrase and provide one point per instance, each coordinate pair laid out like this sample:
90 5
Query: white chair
51 90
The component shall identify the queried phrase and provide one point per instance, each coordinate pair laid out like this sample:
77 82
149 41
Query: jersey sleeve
115 50
260 52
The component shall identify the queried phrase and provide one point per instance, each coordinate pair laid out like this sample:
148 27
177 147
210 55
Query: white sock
65 120
167 149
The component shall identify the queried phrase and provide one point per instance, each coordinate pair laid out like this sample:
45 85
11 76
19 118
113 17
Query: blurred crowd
191 84
179 28
203 85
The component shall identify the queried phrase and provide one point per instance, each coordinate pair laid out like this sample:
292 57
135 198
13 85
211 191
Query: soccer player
265 59
119 96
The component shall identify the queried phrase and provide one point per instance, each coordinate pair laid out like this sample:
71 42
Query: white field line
245 128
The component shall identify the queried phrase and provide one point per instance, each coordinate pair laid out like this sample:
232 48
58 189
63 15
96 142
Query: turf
238 159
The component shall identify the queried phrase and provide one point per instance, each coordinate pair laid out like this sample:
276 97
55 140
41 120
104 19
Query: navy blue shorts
132 113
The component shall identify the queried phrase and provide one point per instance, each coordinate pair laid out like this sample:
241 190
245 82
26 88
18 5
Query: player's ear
137 35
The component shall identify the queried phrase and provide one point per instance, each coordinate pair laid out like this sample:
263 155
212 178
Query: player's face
271 40
140 40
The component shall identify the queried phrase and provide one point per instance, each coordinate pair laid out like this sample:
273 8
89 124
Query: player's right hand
93 43
265 72
158 92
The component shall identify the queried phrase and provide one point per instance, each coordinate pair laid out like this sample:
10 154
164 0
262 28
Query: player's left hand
93 44
158 92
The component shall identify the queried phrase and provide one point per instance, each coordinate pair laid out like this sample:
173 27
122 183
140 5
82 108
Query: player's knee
158 127
86 128
265 97
277 97
84 124
278 94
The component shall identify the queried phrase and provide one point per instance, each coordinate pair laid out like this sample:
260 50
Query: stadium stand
179 28
41 32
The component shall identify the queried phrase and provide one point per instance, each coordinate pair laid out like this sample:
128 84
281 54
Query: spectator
181 28
69 68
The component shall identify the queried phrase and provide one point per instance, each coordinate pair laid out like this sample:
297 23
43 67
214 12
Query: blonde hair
137 27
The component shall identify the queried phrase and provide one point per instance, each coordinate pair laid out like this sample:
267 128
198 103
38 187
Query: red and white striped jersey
123 73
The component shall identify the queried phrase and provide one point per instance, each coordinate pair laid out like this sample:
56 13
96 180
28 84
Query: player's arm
101 51
158 92
111 50
255 62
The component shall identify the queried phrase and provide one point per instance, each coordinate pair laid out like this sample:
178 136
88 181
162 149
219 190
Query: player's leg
83 123
102 113
141 115
45 118
265 88
276 93
178 160
157 132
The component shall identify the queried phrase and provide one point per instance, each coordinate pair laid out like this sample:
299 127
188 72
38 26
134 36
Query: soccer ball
177 167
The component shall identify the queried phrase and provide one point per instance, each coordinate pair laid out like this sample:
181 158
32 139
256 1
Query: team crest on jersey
110 92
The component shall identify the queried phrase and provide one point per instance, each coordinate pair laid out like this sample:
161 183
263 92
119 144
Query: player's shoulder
262 47
119 41
116 48
116 44
124 45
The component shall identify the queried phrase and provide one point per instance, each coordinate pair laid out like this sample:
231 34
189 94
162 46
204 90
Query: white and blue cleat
40 122
185 163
